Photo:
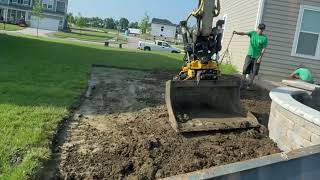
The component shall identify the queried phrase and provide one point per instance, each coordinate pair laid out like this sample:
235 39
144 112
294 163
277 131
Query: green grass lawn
40 80
10 27
178 46
228 69
88 35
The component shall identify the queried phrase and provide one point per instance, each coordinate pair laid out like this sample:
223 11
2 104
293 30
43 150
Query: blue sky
174 10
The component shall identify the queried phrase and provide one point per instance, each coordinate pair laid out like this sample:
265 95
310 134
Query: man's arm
241 33
295 74
262 53
264 46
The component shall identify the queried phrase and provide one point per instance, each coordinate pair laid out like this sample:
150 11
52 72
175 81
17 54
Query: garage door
45 23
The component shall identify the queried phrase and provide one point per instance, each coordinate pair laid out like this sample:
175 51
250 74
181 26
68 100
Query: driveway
33 32
132 43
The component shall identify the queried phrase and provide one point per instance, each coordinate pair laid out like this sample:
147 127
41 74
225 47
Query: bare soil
121 131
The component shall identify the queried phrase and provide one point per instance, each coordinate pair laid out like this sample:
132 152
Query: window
26 2
307 38
162 28
13 13
22 2
19 14
61 7
47 4
166 45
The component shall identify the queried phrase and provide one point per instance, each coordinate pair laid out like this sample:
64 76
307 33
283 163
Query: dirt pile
122 132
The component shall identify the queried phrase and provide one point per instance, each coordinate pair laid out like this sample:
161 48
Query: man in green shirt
257 48
303 74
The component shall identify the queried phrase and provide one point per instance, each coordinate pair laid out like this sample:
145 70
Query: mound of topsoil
122 132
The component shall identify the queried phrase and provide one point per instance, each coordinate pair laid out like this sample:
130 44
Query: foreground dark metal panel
295 165
206 106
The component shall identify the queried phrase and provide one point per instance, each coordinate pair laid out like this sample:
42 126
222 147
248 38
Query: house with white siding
293 30
54 14
134 31
163 28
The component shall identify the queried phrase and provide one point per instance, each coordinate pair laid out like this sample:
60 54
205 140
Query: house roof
162 22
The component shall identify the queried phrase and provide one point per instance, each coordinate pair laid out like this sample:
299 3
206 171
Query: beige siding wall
241 16
281 18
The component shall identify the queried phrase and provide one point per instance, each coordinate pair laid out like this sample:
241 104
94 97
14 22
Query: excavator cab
200 98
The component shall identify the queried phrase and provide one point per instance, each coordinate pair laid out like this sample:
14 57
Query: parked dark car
21 22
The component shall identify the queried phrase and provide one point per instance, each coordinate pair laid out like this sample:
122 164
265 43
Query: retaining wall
293 125
295 165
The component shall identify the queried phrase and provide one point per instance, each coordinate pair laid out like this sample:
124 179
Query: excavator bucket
206 106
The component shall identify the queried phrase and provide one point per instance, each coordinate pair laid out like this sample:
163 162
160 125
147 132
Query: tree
71 19
81 22
95 22
144 25
134 25
37 10
117 23
110 23
124 23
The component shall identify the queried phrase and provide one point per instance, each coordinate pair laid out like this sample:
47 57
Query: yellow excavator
200 98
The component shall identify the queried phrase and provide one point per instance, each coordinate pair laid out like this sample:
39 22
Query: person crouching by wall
302 73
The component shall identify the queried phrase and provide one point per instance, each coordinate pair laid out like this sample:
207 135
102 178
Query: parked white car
158 46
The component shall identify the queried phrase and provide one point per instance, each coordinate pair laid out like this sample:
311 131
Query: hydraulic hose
198 11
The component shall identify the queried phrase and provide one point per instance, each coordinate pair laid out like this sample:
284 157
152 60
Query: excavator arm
206 11
205 40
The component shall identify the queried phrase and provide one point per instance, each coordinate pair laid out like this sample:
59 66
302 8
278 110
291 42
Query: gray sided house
55 13
293 29
163 28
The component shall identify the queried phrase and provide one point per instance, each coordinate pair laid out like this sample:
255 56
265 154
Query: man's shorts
251 66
